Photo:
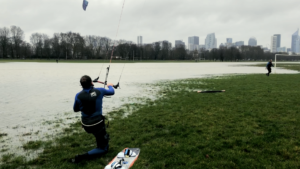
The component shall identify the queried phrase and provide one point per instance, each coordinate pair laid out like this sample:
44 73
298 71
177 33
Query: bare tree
25 50
56 45
157 49
4 41
70 42
107 45
64 43
74 43
124 49
17 35
180 53
148 51
78 45
36 40
100 45
115 43
165 50
90 42
128 48
46 46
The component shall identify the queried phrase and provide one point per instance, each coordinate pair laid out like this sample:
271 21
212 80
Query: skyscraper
252 41
221 46
278 40
179 43
210 41
295 42
139 40
239 43
281 49
273 46
193 42
228 40
228 43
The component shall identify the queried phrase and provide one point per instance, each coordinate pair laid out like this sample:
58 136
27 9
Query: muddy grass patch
3 134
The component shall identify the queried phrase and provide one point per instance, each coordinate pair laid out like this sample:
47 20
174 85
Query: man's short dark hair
86 81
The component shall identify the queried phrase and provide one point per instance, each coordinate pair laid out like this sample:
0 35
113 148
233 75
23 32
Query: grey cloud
157 19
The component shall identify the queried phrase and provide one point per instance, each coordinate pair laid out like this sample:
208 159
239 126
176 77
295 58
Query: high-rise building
295 42
193 42
273 46
252 41
278 40
201 47
139 40
210 41
228 43
239 43
281 49
298 46
179 43
221 45
228 40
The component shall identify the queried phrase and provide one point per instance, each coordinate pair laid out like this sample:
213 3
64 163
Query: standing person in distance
89 102
269 65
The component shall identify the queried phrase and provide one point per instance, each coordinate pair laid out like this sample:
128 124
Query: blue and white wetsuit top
89 101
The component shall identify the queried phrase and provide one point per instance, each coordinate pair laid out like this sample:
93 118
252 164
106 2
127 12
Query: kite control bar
114 86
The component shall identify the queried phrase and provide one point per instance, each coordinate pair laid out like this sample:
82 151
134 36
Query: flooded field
36 99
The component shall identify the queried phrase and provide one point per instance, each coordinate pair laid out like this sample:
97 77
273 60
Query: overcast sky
157 20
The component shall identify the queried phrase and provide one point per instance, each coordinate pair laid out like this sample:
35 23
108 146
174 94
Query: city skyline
193 43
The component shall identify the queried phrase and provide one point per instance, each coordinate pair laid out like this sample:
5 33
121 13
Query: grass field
254 124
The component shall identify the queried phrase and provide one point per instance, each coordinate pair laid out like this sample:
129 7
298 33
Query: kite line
112 52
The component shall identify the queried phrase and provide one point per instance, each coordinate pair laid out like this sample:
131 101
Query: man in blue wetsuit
269 65
89 102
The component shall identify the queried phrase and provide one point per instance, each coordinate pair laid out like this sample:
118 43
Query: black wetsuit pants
269 71
99 131
102 138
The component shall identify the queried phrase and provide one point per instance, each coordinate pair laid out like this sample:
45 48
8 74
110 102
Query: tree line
72 45
242 53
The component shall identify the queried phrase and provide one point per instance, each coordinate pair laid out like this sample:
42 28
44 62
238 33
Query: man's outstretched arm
109 91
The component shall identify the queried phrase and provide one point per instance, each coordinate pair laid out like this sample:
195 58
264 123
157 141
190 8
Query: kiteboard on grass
210 91
125 159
